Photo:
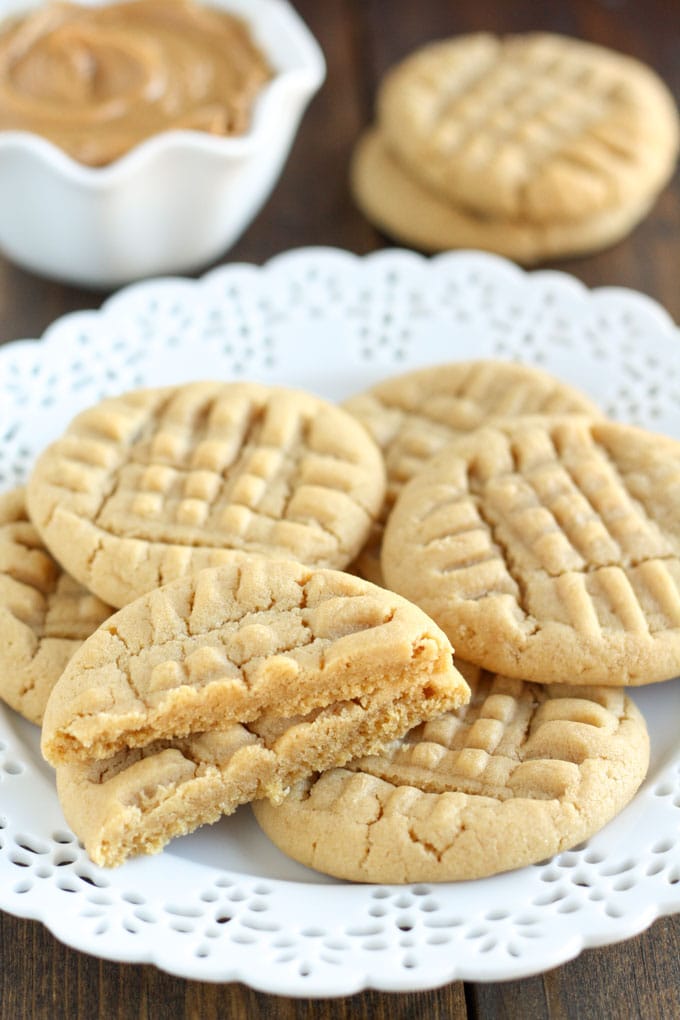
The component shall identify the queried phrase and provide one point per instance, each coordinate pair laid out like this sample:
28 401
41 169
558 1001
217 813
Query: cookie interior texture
233 643
519 774
548 549
44 614
140 798
147 486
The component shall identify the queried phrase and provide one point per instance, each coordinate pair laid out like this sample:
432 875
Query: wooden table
40 978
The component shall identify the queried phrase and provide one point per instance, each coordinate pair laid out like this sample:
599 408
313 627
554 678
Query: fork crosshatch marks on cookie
520 773
538 127
203 898
157 482
548 550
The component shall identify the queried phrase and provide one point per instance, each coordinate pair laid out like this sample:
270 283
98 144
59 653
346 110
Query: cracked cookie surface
522 772
250 639
44 614
548 549
144 487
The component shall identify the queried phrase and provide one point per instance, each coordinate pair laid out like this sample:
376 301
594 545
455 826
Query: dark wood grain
637 978
40 978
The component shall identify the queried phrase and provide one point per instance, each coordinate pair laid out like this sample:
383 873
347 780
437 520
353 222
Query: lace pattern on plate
223 904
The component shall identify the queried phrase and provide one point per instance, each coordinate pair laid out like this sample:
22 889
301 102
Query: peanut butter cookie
548 549
140 798
519 774
234 643
532 145
404 208
147 486
412 416
44 614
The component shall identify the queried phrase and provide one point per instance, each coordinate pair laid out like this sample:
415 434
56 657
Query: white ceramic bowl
173 203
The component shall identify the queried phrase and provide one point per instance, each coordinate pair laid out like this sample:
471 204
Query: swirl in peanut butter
96 81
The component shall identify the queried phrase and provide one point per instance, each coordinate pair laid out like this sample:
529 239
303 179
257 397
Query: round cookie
400 205
548 549
539 127
412 416
147 486
44 614
251 639
519 774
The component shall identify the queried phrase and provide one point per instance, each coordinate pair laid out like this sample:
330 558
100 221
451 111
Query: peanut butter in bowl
98 187
96 81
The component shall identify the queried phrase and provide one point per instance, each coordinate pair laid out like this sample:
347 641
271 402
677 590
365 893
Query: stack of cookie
535 147
502 515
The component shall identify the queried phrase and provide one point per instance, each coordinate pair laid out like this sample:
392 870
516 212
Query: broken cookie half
231 685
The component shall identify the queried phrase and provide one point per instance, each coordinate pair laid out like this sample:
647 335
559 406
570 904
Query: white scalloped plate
223 904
